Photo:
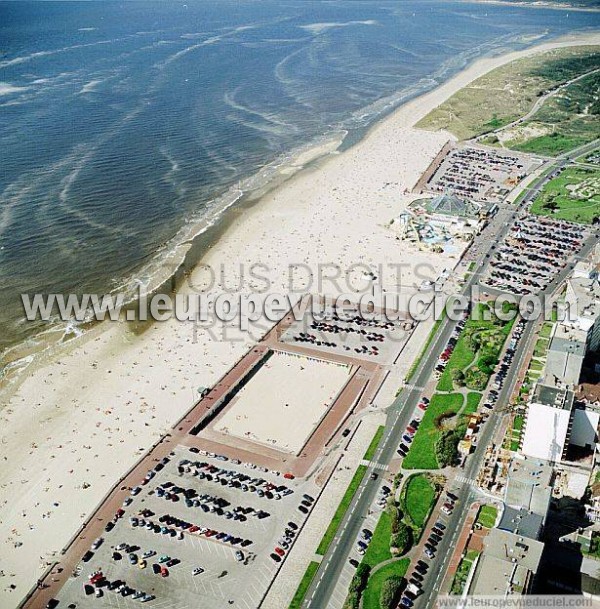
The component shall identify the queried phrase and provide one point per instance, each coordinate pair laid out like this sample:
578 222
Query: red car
289 476
164 572
422 406
411 430
279 551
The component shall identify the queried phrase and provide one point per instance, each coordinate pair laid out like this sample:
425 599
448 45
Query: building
529 485
583 300
592 508
507 564
453 214
521 521
555 422
584 429
566 353
548 425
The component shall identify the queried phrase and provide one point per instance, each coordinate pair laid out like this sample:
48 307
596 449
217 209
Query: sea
128 128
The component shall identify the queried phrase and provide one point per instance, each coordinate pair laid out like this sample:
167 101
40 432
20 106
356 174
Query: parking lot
481 174
378 340
533 252
200 531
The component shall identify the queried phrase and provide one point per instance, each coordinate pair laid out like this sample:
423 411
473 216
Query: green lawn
374 443
487 516
422 450
304 584
473 399
479 344
461 357
574 196
546 329
418 497
373 590
342 509
535 366
541 347
462 573
518 422
552 144
379 547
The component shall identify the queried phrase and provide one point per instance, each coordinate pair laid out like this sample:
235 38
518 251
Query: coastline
116 389
548 4
166 269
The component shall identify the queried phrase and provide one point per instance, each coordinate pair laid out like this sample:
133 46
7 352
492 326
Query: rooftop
546 432
450 205
528 484
557 397
586 291
521 522
565 357
506 565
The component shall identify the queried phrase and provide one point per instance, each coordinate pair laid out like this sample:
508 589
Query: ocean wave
208 41
230 100
320 28
90 86
8 89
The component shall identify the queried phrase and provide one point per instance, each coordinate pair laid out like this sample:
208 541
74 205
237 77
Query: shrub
458 376
486 363
390 591
401 540
357 586
446 451
395 516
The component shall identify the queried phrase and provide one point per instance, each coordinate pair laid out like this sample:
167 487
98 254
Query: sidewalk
464 537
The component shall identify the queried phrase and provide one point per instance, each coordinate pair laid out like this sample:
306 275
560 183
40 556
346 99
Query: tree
390 590
446 451
357 586
458 376
395 516
401 540
486 363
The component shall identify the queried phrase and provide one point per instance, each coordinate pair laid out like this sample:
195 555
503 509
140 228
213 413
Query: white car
197 571
97 543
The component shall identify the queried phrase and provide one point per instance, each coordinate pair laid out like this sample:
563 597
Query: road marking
379 466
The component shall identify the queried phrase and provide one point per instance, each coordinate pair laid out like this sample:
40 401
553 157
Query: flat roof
546 431
557 397
528 484
506 563
587 292
565 358
521 522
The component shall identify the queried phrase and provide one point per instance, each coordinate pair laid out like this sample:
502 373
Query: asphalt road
399 415
401 412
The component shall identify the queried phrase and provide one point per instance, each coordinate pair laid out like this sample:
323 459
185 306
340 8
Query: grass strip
305 582
374 443
342 509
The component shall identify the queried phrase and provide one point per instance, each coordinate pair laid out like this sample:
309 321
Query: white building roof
546 432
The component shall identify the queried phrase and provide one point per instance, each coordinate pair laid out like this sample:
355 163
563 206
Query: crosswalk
379 466
465 480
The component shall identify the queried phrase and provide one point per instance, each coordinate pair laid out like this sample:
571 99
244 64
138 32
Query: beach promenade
85 415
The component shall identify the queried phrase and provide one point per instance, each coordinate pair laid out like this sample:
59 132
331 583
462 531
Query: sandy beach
81 418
